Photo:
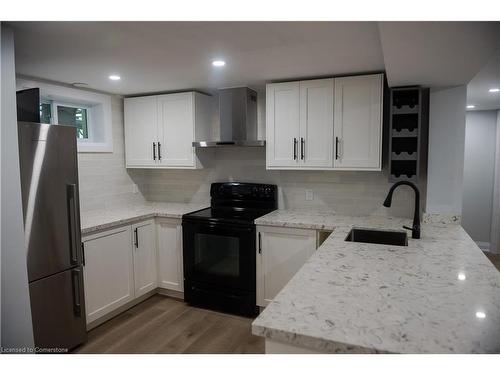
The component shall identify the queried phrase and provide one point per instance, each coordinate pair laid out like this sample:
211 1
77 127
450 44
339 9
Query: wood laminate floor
166 325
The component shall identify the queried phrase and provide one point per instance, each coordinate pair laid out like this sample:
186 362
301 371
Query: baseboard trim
170 293
485 246
164 292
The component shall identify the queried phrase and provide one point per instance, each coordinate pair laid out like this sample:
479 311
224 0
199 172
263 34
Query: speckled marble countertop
440 294
96 220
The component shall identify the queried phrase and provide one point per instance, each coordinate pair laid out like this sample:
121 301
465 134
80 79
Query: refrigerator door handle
72 212
77 306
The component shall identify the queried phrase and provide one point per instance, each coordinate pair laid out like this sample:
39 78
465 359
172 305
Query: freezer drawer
58 310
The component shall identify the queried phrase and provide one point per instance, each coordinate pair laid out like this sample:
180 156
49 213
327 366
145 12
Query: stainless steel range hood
238 119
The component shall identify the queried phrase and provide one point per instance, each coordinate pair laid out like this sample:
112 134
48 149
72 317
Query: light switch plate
309 195
135 189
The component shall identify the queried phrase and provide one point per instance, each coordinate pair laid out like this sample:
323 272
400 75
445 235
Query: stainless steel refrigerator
49 184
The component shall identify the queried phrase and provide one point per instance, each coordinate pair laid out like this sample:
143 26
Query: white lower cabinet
170 266
108 271
144 245
281 252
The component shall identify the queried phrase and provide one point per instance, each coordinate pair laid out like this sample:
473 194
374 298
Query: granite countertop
440 294
96 220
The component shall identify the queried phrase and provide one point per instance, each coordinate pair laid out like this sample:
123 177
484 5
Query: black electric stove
219 247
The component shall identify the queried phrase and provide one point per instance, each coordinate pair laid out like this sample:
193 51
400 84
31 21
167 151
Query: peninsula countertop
96 220
440 294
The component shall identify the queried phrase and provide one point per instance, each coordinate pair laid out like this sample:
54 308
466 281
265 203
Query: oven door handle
215 227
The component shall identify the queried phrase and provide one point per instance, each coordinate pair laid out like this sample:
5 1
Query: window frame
100 104
55 118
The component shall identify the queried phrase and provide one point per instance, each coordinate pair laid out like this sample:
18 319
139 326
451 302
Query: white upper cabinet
144 245
316 123
306 120
358 122
283 124
299 124
141 131
160 129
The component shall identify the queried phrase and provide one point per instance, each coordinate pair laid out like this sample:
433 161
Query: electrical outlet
309 195
135 189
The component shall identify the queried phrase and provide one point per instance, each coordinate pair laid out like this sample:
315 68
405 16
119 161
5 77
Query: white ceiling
436 53
169 56
477 89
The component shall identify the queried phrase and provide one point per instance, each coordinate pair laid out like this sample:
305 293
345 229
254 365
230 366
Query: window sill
87 147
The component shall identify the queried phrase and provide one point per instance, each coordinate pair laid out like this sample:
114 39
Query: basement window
89 112
75 115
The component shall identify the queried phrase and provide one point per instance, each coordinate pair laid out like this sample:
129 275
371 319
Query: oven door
220 255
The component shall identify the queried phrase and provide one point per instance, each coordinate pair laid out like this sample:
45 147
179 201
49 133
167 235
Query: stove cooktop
228 214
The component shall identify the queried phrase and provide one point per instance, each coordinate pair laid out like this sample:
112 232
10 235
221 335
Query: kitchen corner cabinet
170 266
160 129
144 245
281 252
358 122
325 124
108 271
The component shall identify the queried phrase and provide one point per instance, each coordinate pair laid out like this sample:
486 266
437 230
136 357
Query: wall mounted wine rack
409 127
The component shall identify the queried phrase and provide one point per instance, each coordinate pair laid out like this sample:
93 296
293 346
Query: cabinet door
170 268
316 123
282 124
141 124
144 244
282 252
176 123
358 122
108 272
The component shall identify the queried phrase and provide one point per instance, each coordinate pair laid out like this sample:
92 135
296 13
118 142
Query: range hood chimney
237 119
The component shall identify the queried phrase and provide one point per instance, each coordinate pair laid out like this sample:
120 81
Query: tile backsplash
347 193
104 181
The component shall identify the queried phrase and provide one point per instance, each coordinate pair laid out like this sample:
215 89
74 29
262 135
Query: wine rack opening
409 118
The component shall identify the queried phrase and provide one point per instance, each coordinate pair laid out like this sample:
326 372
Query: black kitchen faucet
415 230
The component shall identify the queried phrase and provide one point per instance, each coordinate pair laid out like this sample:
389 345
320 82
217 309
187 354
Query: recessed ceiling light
470 106
480 314
461 276
115 77
496 89
218 63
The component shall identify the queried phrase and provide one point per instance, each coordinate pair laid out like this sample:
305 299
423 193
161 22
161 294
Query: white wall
495 222
446 150
479 173
16 313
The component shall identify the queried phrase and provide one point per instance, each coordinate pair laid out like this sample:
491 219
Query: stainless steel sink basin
382 237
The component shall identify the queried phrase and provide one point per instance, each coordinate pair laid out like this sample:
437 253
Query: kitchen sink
382 237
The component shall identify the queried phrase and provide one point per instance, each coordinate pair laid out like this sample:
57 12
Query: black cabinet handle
136 236
83 253
295 149
302 147
159 151
77 306
72 211
336 148
154 151
260 244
